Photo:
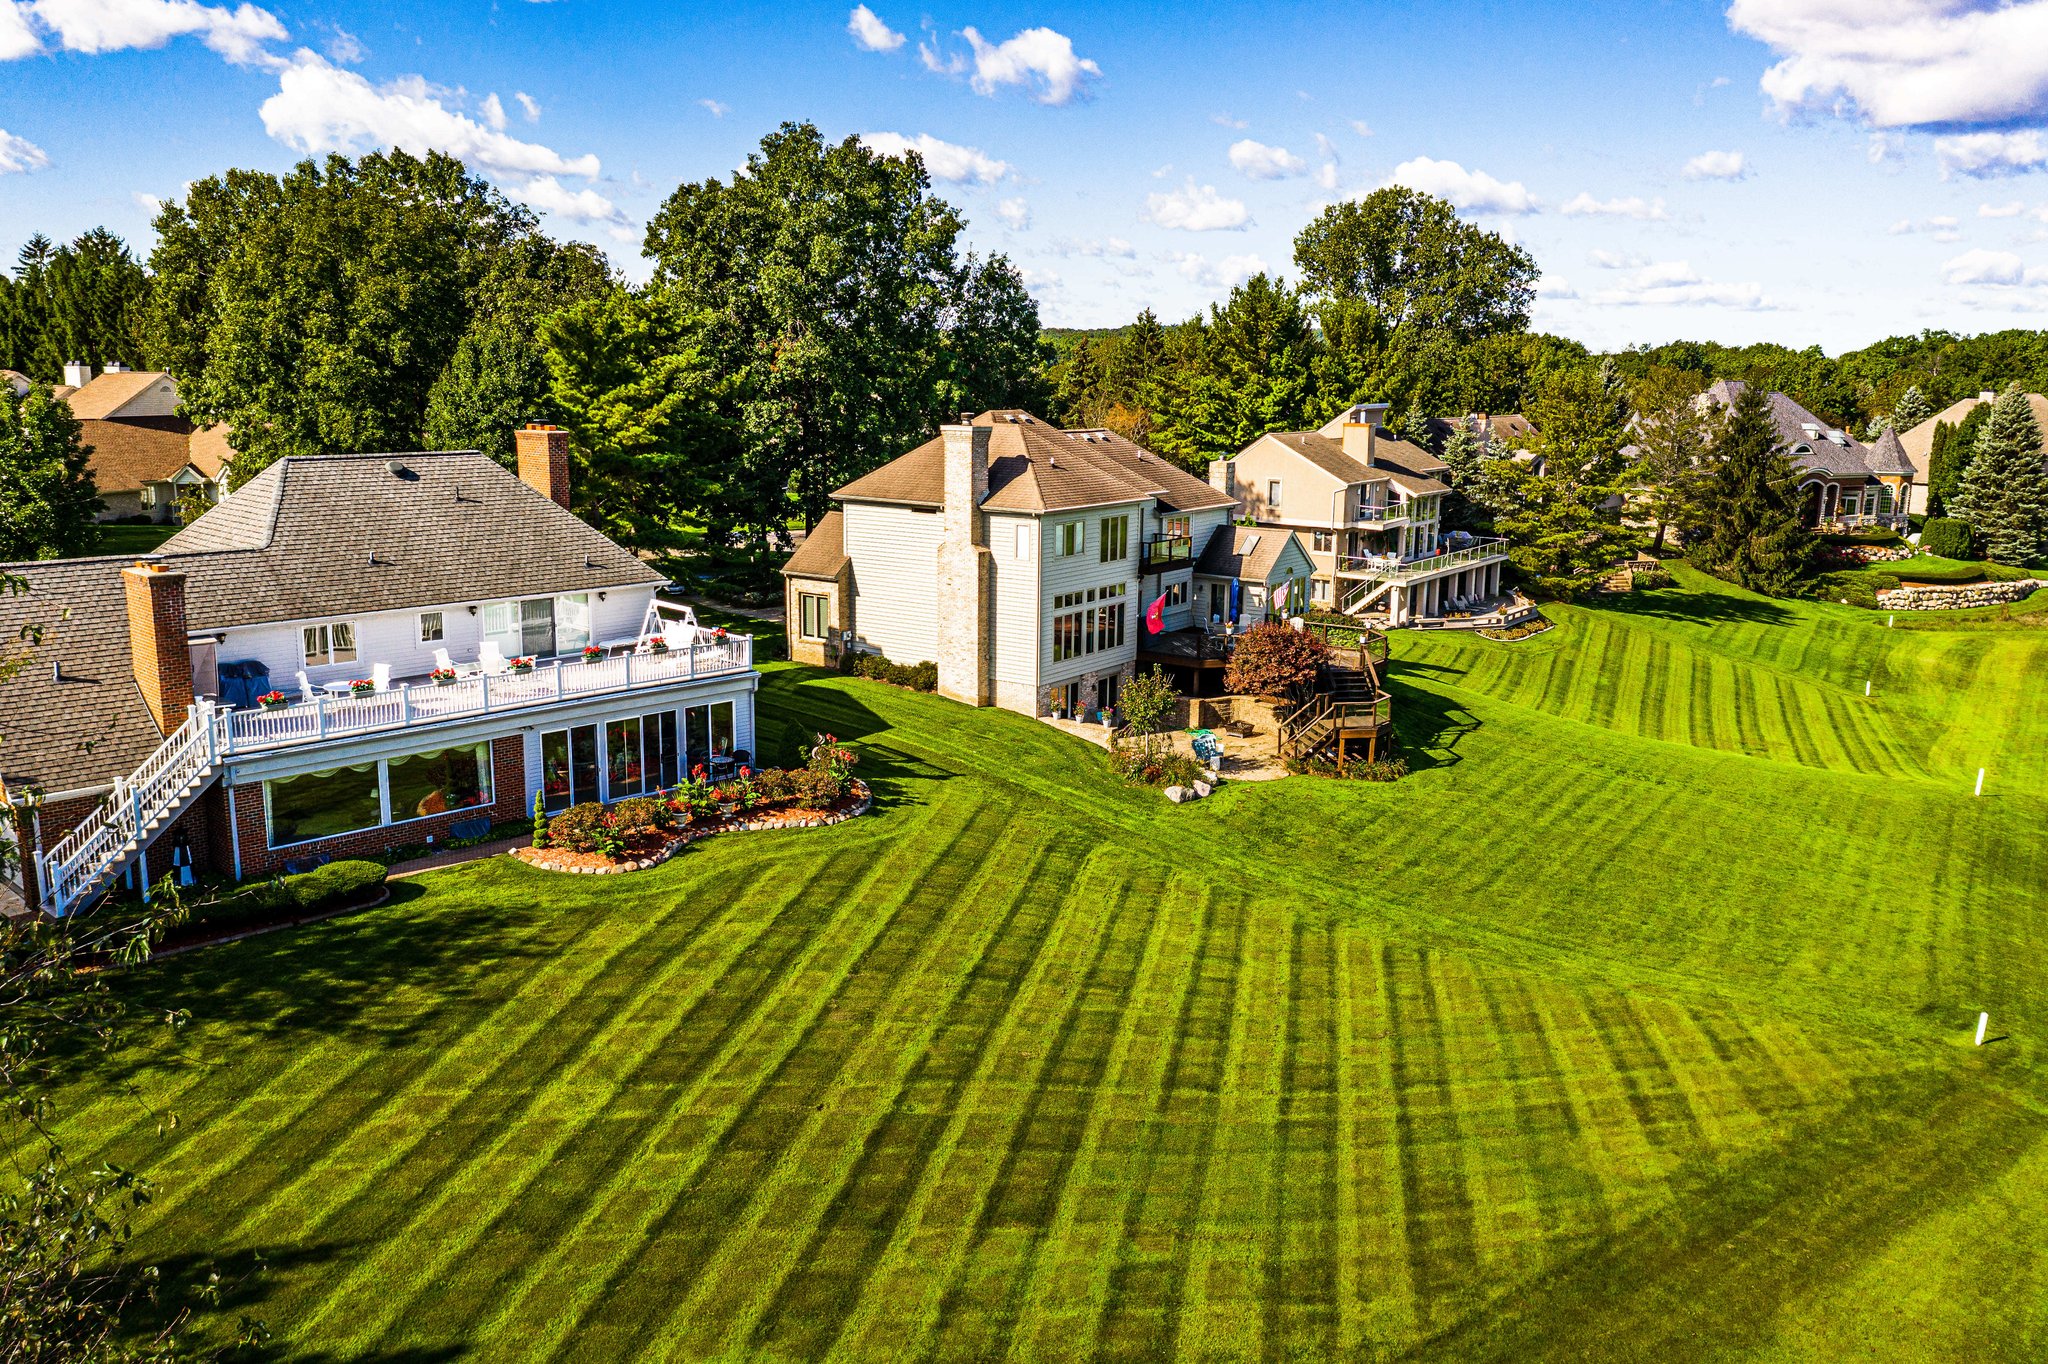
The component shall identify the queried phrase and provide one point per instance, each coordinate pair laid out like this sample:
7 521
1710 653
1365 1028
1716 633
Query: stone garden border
547 859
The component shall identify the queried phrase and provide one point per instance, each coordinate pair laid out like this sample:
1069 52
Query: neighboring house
1507 435
139 708
1367 508
1022 559
1918 443
1844 484
145 457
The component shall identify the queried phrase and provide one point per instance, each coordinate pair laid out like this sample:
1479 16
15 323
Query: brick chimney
966 570
156 641
544 460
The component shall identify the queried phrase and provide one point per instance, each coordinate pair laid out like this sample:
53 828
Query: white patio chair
443 663
305 687
380 676
678 635
492 659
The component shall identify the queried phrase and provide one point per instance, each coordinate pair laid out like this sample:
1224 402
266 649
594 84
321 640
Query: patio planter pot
273 705
519 670
360 690
444 681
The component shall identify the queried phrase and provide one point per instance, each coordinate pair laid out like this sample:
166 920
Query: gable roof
1918 442
337 535
74 717
108 393
1035 468
823 552
136 450
1828 450
1248 552
1408 467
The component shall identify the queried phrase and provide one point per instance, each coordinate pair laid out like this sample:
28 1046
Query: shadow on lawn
1430 726
1700 608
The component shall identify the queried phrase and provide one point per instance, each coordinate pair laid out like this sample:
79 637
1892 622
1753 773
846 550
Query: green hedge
915 676
1946 538
323 888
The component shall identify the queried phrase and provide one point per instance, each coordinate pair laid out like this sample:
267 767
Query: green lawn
133 539
1632 1026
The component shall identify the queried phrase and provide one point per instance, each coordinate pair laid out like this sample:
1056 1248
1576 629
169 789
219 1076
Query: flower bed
1510 633
646 831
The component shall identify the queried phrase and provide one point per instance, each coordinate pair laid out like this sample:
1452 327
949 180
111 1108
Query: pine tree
1949 458
2004 492
1910 410
1755 535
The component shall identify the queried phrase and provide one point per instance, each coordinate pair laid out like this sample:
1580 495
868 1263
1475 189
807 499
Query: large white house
1368 508
1023 559
140 721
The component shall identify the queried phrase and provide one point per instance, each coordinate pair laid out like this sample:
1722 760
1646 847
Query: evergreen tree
2004 492
1564 522
1754 534
1249 372
1464 455
1910 410
1674 432
47 497
84 302
1949 458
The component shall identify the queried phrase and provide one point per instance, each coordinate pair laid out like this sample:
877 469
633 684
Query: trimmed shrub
876 668
580 827
641 814
1383 769
774 786
1164 768
1947 537
335 884
816 788
1649 579
1274 660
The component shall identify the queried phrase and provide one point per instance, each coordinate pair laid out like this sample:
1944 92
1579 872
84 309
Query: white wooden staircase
88 861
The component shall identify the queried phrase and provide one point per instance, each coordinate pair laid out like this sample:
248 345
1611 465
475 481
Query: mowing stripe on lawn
1302 1289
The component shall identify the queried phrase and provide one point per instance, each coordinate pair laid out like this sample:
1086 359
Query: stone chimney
544 460
77 374
156 641
1223 476
1360 424
966 570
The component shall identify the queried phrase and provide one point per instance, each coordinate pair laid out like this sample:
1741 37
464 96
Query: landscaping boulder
1177 794
1203 788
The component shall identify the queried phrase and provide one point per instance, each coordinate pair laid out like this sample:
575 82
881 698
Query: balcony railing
402 707
1373 514
1385 566
1165 552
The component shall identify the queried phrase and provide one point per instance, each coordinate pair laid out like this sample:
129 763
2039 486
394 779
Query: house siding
894 551
1015 544
1077 573
838 592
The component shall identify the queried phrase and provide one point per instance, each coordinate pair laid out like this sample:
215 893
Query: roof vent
1053 460
395 467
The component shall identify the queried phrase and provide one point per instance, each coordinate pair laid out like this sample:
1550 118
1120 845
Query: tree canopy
82 302
1750 507
1410 258
47 497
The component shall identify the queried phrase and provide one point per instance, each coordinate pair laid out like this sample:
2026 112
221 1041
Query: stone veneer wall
1959 596
508 780
1055 692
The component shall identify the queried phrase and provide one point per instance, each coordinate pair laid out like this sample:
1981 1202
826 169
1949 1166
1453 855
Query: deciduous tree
47 497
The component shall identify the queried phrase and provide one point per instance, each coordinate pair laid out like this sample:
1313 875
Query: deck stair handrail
139 806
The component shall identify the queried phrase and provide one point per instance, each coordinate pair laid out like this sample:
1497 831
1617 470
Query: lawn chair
492 660
306 688
380 676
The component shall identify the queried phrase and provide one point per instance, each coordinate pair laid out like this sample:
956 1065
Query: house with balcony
349 654
1368 510
1023 560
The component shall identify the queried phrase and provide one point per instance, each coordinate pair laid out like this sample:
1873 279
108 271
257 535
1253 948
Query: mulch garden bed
652 850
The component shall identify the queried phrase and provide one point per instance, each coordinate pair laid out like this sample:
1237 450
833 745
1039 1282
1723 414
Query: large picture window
538 627
323 804
1090 628
334 642
423 784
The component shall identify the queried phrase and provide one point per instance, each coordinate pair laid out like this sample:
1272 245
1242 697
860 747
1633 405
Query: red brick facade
508 782
156 642
544 460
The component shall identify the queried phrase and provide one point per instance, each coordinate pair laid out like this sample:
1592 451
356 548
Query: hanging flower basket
273 700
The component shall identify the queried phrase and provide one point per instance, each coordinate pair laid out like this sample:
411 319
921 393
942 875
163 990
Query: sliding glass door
539 627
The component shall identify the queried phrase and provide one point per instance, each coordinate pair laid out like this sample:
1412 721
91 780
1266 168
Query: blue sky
1827 171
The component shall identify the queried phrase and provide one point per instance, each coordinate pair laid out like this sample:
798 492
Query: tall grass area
1632 1026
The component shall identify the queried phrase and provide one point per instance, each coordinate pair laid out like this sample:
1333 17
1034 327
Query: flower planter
362 691
444 681
273 705
517 671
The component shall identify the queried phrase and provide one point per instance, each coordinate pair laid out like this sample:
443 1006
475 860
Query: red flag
1155 615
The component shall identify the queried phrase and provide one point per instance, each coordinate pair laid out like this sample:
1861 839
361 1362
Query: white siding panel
1079 572
1014 545
895 554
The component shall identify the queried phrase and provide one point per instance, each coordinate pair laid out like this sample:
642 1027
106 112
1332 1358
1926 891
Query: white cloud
528 105
1644 210
869 32
1716 166
1196 208
1617 260
345 47
1037 56
1904 63
1015 213
1555 286
1885 146
1677 284
1473 191
1226 121
714 107
1984 267
1227 273
18 155
1984 155
239 34
550 195
319 107
1115 247
494 111
945 161
1942 228
17 38
2011 210
1361 127
1261 162
148 203
1326 177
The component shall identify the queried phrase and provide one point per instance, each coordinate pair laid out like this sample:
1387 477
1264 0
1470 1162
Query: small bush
816 788
1649 579
915 676
1165 768
774 786
1382 769
335 884
641 814
1273 659
1946 537
579 827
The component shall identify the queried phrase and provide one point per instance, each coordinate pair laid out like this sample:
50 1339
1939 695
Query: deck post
405 704
320 710
484 681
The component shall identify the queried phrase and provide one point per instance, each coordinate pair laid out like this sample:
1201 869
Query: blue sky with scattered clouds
1827 171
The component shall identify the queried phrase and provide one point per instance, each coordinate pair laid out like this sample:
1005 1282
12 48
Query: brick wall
508 779
544 460
823 653
156 642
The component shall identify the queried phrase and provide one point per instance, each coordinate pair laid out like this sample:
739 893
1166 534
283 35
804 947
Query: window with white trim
330 642
431 631
1068 536
1273 495
1087 622
1116 538
814 615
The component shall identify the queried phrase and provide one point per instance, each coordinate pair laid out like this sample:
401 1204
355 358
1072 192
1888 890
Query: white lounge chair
380 676
492 660
305 687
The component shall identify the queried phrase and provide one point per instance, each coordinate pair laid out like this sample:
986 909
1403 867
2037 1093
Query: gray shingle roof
1407 467
335 535
1886 455
823 552
1247 552
73 717
1815 451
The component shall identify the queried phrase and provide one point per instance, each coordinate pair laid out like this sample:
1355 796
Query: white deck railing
401 707
78 861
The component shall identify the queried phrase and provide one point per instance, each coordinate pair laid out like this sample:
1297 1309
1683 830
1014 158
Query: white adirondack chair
493 659
380 676
305 687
